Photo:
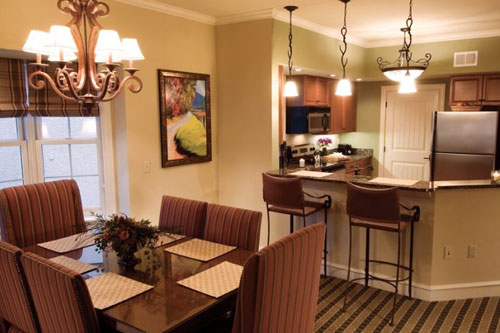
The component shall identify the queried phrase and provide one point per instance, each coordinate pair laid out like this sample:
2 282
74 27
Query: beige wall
167 42
245 118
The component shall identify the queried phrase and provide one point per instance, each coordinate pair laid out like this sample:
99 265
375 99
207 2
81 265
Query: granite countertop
339 176
360 155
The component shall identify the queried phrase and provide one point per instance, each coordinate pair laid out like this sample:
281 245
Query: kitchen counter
339 176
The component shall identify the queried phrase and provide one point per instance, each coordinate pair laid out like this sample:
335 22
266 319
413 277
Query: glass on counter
495 176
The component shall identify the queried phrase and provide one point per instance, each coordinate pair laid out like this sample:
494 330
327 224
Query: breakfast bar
455 237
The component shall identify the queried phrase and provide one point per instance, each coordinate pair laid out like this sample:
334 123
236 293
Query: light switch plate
147 166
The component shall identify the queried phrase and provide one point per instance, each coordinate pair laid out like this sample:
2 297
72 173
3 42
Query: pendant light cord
343 31
407 43
290 50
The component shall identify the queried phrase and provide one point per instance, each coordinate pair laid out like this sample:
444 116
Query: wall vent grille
465 59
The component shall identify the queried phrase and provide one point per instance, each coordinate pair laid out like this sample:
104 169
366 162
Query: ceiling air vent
465 59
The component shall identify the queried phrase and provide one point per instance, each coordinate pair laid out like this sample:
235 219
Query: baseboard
420 291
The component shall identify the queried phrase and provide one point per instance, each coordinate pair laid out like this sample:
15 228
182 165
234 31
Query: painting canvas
185 117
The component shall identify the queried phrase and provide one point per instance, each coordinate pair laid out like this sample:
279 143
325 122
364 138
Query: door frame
441 88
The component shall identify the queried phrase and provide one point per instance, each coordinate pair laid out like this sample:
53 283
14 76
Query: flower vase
323 151
128 260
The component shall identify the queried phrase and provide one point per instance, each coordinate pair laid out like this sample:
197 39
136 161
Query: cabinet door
310 90
322 92
491 90
466 89
336 109
350 112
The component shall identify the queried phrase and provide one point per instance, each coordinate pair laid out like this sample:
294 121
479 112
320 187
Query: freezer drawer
466 132
462 166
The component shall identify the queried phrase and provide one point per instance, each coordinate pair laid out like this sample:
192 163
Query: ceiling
370 22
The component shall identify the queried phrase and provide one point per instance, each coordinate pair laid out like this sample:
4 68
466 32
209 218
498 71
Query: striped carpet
368 310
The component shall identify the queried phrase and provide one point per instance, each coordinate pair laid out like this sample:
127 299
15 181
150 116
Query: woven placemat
110 289
70 243
216 281
77 266
200 249
168 238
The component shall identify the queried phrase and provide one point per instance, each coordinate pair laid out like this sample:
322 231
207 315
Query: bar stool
285 195
379 209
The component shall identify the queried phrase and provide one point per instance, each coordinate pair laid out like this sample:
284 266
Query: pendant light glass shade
343 88
407 85
398 74
290 89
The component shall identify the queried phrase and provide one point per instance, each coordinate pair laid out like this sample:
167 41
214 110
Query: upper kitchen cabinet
475 90
344 112
313 91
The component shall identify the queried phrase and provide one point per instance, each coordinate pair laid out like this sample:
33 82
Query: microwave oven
307 119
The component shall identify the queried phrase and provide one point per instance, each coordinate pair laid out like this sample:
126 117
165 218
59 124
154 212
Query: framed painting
185 118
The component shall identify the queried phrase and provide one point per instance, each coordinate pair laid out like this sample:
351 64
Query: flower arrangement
324 142
125 236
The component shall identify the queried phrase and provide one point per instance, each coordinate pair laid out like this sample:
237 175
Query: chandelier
344 85
404 69
290 86
83 39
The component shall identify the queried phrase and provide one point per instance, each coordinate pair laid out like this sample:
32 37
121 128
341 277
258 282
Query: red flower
123 234
106 234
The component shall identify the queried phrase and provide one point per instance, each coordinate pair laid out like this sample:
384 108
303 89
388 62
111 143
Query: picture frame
185 117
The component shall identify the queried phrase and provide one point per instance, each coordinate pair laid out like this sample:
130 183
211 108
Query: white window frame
20 142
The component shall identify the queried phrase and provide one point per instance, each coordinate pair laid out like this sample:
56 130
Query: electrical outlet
448 252
147 166
472 251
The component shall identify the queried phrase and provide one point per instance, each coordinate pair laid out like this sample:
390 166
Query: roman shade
46 103
13 88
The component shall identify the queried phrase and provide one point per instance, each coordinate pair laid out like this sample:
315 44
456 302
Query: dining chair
60 296
37 213
233 226
16 304
183 216
280 284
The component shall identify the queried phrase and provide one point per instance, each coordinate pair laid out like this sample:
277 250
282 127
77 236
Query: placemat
315 174
393 181
168 238
200 249
77 266
216 281
110 289
70 243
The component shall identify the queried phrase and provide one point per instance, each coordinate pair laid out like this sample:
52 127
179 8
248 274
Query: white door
406 131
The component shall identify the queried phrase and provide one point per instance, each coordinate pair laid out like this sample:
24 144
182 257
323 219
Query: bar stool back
379 209
285 195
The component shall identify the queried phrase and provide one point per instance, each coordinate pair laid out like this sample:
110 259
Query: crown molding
245 17
171 10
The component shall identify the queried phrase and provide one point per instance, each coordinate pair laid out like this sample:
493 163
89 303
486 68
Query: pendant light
404 69
290 86
344 85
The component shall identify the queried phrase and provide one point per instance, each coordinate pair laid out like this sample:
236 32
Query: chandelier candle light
404 69
290 86
344 85
83 39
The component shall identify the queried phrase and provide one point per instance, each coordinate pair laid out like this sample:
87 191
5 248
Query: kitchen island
462 217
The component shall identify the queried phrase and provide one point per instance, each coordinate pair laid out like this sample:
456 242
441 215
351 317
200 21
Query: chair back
183 216
60 295
233 226
16 304
279 286
37 213
283 191
373 204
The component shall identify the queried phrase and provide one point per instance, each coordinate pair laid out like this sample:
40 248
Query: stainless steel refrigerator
464 145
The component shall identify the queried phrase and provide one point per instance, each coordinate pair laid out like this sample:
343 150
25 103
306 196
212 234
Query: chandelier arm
70 87
107 84
131 87
40 84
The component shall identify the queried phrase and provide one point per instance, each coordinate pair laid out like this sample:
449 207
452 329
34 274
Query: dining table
169 306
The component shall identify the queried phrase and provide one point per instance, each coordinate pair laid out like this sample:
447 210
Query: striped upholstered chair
16 304
37 213
280 284
183 216
233 226
60 295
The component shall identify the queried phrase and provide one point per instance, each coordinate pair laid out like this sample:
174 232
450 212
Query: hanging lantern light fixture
404 69
290 86
344 85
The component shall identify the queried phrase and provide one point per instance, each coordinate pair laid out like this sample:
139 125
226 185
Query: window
45 149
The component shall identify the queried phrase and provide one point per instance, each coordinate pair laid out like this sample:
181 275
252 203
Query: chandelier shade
398 73
407 85
83 39
343 88
290 89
